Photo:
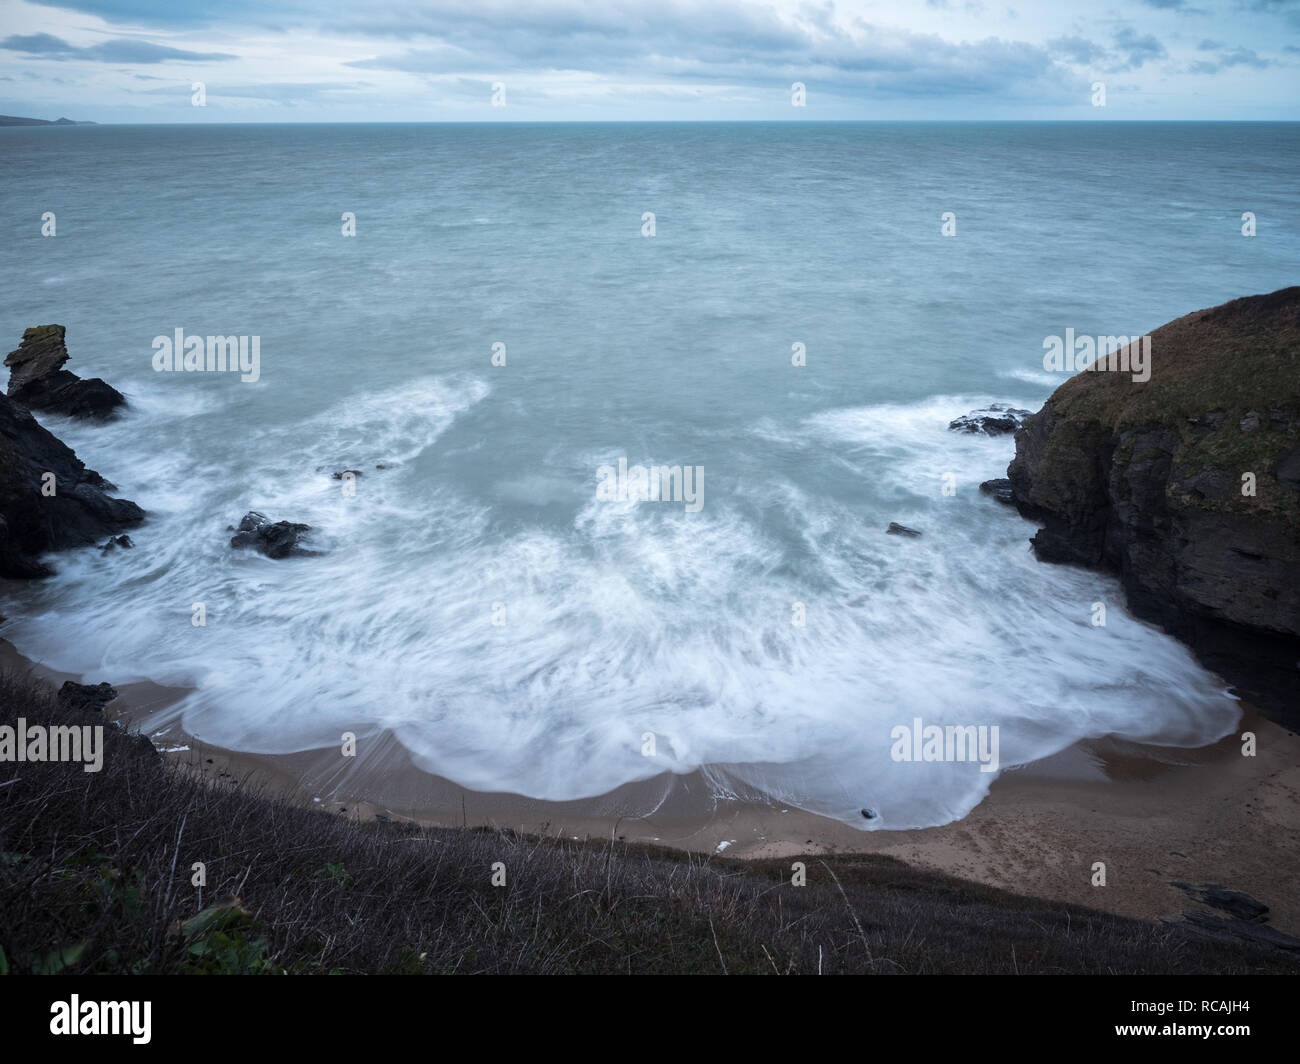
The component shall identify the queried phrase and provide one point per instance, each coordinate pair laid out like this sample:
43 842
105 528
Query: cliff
38 380
1188 486
32 520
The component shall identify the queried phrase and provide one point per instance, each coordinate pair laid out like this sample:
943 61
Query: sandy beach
1152 815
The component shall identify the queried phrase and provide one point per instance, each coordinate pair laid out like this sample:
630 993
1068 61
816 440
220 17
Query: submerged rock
49 500
1000 489
895 529
276 540
38 380
116 542
997 419
1179 485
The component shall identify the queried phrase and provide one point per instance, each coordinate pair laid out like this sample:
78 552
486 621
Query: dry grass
95 876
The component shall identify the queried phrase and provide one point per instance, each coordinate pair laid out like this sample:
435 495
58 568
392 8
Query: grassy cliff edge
98 874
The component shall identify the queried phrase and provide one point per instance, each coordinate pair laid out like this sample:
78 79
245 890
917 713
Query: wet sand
1152 815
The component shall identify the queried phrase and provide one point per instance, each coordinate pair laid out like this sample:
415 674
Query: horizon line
71 123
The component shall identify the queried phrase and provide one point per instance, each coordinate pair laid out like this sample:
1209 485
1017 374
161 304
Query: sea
488 323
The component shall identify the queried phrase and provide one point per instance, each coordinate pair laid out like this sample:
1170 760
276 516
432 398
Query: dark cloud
1287 9
180 12
724 42
1136 49
118 50
1233 58
1181 6
1129 51
1079 50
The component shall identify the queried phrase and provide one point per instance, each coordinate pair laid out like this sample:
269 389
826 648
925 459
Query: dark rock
1232 902
1223 929
124 542
38 380
1288 469
868 814
1146 479
997 419
79 513
140 746
1000 489
344 472
895 529
278 540
86 698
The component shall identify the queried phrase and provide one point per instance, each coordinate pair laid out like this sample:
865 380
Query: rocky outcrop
38 380
1233 902
997 419
276 540
86 697
49 500
1230 929
1188 486
1000 489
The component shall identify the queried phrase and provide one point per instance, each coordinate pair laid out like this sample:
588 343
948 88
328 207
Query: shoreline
1153 815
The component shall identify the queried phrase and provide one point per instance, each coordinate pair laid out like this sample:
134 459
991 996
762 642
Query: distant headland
10 120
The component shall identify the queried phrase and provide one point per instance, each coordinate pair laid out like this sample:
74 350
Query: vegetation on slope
96 876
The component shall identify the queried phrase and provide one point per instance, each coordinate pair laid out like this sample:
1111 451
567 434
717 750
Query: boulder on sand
87 697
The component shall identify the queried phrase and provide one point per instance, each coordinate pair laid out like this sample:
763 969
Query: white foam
632 620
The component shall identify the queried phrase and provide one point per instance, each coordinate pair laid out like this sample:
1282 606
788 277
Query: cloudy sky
566 60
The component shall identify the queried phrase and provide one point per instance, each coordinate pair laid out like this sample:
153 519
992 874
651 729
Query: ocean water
621 618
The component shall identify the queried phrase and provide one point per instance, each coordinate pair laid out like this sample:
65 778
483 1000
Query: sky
648 60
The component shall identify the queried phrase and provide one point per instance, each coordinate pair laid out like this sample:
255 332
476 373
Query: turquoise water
620 618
